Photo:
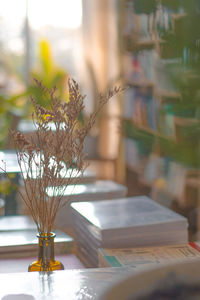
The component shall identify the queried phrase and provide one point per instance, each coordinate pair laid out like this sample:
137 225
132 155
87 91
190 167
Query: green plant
145 6
10 108
49 74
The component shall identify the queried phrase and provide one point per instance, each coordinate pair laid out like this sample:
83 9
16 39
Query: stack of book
127 222
18 238
98 190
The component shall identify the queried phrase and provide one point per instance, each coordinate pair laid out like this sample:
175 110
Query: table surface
85 284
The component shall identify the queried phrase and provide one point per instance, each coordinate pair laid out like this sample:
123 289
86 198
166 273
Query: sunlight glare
59 13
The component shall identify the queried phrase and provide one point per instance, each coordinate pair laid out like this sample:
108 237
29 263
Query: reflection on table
86 284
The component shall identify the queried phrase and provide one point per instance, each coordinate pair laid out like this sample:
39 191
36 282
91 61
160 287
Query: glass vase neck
46 261
46 249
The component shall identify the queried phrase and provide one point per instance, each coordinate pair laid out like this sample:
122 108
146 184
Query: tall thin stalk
53 154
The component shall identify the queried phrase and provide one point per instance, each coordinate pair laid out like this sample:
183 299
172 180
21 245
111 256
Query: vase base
37 266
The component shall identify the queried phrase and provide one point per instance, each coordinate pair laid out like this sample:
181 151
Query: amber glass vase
46 261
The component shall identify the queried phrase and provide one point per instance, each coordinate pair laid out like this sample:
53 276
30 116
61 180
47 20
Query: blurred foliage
181 152
183 47
16 106
49 74
6 186
10 108
171 4
145 6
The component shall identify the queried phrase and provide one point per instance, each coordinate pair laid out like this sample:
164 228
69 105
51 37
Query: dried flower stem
53 154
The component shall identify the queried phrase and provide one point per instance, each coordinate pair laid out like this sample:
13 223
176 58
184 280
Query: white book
134 220
131 153
176 180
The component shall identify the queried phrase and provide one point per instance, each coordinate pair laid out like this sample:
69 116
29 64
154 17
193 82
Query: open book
138 258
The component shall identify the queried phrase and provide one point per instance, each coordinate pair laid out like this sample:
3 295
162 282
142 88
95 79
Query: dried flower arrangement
52 156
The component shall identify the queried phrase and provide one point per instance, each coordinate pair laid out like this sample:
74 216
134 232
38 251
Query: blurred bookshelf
160 57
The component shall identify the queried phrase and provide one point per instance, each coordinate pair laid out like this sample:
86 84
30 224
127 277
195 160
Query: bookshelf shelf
148 44
144 83
166 95
178 16
136 169
145 44
145 182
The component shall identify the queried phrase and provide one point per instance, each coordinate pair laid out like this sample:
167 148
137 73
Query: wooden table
85 284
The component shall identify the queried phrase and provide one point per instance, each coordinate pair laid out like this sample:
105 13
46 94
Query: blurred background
147 137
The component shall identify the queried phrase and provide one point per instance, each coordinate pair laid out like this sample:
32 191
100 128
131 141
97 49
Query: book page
140 257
